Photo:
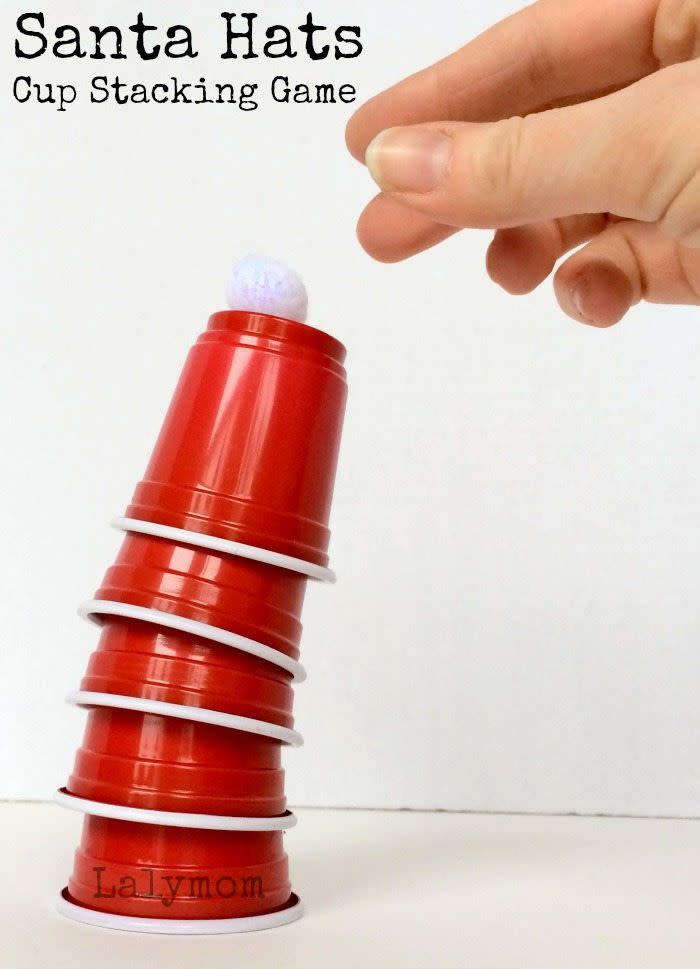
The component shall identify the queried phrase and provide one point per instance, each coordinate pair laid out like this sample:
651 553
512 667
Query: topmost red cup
249 447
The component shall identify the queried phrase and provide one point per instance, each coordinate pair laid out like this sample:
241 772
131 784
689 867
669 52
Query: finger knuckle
681 217
497 164
445 91
658 150
676 31
541 65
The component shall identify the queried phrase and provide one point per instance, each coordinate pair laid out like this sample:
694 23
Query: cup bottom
163 872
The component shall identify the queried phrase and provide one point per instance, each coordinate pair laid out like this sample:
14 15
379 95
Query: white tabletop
402 890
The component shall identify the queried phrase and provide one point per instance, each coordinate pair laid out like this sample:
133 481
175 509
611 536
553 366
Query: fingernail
578 298
409 159
601 294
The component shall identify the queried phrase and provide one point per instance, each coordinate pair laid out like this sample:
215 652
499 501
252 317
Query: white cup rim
88 698
94 608
228 547
246 923
172 819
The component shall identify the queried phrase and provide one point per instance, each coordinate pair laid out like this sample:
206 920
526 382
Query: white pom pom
263 285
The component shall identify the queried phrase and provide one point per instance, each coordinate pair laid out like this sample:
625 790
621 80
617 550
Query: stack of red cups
189 691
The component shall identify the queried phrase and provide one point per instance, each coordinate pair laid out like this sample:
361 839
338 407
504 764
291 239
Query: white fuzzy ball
263 285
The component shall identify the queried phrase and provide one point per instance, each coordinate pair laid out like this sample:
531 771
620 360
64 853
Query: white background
516 623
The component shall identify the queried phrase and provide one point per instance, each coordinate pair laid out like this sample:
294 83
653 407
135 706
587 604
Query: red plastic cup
249 447
260 602
160 763
143 660
154 871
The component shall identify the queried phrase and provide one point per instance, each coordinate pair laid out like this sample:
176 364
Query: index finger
553 50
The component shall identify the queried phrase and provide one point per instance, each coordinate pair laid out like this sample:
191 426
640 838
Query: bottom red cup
143 660
161 763
154 871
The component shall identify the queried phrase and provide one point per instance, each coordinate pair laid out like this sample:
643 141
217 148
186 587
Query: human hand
571 122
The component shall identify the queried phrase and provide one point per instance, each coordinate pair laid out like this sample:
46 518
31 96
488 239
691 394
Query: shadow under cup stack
189 691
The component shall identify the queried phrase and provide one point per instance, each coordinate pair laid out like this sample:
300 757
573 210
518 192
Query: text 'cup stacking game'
189 691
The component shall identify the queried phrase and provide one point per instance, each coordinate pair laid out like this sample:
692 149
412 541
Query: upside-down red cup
139 659
156 871
161 763
249 447
254 600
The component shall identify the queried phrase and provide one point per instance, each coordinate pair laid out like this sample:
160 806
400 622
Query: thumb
635 153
